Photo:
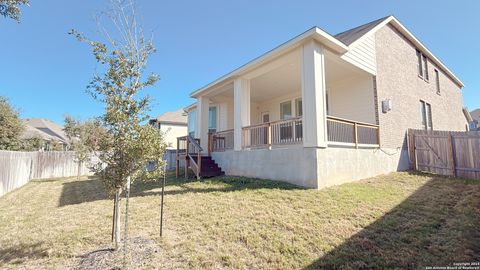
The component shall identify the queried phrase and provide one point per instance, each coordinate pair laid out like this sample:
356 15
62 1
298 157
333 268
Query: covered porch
309 97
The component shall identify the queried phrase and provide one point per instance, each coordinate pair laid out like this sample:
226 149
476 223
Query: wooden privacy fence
170 157
18 168
445 152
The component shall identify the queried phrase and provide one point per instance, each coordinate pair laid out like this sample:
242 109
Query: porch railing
189 149
220 141
351 133
281 132
341 132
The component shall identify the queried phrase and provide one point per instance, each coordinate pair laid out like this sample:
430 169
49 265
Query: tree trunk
125 236
113 220
117 218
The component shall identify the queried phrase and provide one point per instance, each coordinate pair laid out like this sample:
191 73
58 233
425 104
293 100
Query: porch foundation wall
312 167
294 165
341 165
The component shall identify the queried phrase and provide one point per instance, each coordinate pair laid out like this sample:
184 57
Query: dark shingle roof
475 114
349 36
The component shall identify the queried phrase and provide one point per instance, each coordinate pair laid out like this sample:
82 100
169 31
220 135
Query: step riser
209 167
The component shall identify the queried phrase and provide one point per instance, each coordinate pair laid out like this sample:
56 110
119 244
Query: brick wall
397 79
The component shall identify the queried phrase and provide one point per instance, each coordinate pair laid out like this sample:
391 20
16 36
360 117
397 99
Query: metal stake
163 193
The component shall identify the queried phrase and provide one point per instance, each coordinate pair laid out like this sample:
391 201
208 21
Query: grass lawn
400 220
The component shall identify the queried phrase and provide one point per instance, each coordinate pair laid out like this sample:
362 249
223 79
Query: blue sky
44 71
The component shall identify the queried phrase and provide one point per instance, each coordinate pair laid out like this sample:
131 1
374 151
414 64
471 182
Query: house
173 125
51 134
475 122
321 110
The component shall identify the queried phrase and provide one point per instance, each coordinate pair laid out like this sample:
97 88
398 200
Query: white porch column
201 130
241 116
314 95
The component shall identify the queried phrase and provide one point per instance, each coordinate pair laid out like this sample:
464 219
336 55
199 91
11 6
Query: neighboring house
320 110
475 122
173 125
48 131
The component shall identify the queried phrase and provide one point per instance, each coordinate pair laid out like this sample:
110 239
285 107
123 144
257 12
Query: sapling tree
129 144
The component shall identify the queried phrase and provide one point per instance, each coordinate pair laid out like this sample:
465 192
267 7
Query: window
212 119
298 107
286 110
422 66
265 117
425 68
426 111
437 81
429 116
419 63
192 119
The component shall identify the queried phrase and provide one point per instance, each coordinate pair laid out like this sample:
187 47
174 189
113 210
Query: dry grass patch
400 220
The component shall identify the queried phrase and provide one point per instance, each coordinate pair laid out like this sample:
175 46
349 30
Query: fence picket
451 153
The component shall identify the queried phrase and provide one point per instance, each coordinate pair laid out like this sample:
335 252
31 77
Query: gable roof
351 35
475 114
176 117
374 26
45 129
340 43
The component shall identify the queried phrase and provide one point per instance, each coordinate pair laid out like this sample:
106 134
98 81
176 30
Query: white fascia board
402 29
314 33
424 49
190 107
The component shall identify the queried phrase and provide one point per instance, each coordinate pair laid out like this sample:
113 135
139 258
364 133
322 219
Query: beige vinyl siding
273 107
362 54
352 99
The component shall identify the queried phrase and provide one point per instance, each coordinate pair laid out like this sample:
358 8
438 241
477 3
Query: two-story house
321 110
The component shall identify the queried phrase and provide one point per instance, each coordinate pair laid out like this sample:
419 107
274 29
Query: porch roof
314 33
340 43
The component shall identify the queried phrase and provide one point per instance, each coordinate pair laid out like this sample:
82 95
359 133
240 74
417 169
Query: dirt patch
139 250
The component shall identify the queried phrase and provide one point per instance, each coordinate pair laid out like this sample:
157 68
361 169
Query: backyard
400 220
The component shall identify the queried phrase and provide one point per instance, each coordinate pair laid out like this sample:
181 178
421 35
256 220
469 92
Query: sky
44 71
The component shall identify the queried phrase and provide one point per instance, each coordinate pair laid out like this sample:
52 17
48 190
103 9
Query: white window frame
426 115
217 118
437 80
297 113
422 66
291 109
261 117
193 127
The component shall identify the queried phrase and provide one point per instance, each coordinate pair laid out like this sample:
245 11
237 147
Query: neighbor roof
340 43
45 129
475 114
176 117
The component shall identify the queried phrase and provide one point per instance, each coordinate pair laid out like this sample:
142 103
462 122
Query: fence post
452 154
414 157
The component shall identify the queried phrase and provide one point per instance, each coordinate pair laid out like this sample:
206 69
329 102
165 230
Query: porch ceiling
286 79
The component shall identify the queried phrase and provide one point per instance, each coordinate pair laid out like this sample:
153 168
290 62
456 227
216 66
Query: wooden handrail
196 166
280 132
342 120
354 138
195 143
